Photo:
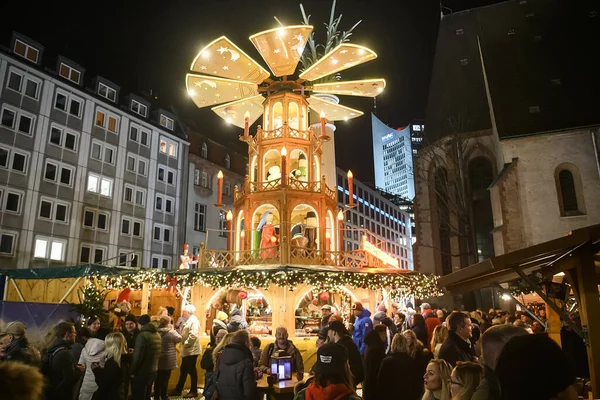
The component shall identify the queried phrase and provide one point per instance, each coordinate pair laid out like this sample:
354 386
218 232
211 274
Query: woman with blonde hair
110 377
210 384
417 350
436 380
464 380
440 334
400 370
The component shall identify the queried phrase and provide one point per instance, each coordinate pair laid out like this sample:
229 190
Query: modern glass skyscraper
393 159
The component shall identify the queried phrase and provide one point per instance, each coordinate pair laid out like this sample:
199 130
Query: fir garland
418 285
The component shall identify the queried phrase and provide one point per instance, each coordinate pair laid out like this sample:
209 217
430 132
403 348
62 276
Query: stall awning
67 272
548 257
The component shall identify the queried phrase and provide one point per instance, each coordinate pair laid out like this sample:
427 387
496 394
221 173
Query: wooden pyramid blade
365 87
282 47
224 59
343 56
332 111
209 90
235 112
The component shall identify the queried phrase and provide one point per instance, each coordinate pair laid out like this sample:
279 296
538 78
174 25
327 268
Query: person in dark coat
83 335
145 359
236 379
458 346
339 334
400 371
130 331
219 323
237 321
418 351
326 315
373 357
110 377
420 329
58 364
17 347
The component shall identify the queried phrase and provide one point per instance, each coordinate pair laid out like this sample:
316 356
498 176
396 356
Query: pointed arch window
204 151
569 190
227 161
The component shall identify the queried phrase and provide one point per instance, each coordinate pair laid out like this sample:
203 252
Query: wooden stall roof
549 258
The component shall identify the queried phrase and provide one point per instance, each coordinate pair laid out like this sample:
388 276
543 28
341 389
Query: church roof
537 58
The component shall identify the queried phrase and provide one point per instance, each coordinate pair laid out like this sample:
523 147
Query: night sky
143 45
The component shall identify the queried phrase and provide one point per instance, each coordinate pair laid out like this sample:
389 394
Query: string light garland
418 285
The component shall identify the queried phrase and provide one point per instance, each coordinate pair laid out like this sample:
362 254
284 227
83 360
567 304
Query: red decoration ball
324 296
243 295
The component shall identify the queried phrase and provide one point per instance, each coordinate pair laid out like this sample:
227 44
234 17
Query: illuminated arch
302 294
219 291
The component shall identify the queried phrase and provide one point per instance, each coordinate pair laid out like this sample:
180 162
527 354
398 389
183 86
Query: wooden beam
589 310
17 290
145 292
68 292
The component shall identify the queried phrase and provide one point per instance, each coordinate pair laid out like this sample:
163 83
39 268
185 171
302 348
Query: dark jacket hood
372 338
150 327
59 342
237 311
235 353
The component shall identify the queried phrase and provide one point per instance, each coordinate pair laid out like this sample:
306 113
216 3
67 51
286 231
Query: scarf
332 392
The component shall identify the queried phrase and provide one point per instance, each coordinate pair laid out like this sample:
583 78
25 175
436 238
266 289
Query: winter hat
221 316
338 327
144 319
552 371
14 328
331 358
357 306
382 307
131 317
326 307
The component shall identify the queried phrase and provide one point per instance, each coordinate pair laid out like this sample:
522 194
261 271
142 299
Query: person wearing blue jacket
362 326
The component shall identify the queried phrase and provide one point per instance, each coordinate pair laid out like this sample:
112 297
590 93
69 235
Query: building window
134 195
200 217
13 160
128 258
107 92
95 219
68 103
54 210
60 137
196 177
103 152
58 172
166 122
69 73
24 83
570 190
161 262
99 184
227 161
139 135
204 180
204 151
10 200
168 147
162 233
50 248
137 165
459 31
511 32
91 254
17 120
106 120
166 175
131 227
26 51
164 203
8 241
222 223
464 61
227 189
139 108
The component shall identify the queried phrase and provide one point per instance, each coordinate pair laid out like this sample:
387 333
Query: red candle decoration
323 122
351 187
340 218
220 188
246 124
284 173
243 295
229 220
324 296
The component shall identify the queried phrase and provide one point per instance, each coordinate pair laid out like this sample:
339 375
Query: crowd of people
422 354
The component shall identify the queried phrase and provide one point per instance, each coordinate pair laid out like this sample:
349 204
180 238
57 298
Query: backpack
47 360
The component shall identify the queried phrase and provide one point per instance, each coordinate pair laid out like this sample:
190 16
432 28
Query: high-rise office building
392 156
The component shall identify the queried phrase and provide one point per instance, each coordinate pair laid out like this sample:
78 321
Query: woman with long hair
464 380
110 377
210 384
417 350
436 380
420 328
400 370
332 379
440 334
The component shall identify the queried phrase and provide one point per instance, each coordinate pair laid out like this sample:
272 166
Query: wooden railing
275 184
230 259
284 131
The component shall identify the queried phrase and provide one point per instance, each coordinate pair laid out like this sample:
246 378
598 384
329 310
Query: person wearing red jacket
431 321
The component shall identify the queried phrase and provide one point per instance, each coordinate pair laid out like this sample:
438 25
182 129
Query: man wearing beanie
145 359
362 325
130 330
534 367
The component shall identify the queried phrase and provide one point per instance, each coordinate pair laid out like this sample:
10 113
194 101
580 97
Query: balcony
284 132
276 184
